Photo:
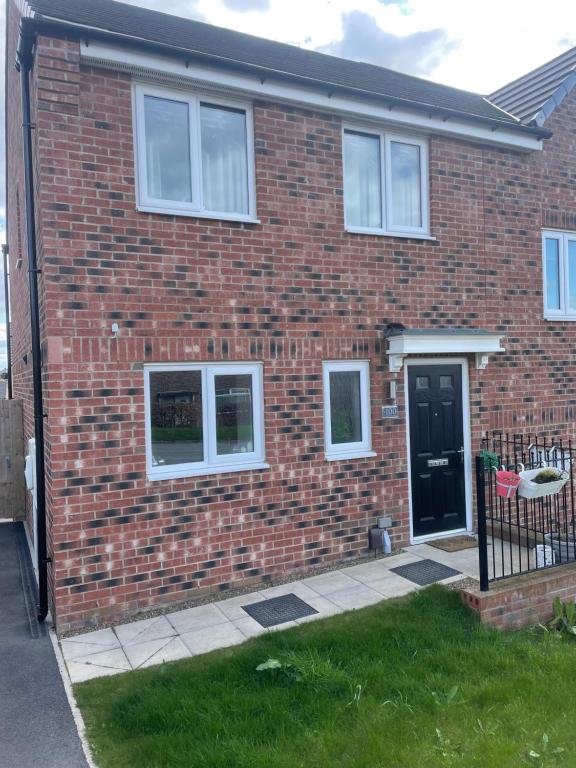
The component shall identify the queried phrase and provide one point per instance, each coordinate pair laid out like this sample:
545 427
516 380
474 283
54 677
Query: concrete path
205 628
36 723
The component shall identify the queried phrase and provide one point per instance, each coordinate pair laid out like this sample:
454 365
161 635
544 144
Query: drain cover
425 572
278 610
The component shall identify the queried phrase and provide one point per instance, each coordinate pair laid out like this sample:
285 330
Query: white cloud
418 53
247 5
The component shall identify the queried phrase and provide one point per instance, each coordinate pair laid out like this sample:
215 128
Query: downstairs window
202 419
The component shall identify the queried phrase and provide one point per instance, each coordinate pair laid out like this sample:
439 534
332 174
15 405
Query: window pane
234 415
572 273
345 407
224 161
446 382
422 382
176 417
167 134
552 273
362 180
406 203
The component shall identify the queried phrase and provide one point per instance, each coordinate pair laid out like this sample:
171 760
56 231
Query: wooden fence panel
12 483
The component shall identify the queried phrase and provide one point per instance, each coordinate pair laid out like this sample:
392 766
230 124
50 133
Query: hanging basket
531 490
506 483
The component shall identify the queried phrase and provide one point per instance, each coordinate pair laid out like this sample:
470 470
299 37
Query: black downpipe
7 313
25 61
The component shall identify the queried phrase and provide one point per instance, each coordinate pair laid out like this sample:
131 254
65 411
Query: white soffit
155 67
408 343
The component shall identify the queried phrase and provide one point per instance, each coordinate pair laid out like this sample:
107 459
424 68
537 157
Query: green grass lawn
409 683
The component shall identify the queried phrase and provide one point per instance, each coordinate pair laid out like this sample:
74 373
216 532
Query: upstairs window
194 155
385 183
559 268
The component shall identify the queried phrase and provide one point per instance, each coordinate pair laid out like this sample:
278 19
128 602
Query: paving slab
145 630
355 597
152 652
220 636
37 727
103 664
334 581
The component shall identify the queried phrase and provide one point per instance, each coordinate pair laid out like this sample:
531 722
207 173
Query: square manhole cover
278 610
425 572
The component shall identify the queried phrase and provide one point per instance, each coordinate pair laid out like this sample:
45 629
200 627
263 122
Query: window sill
348 456
386 233
198 214
561 318
219 470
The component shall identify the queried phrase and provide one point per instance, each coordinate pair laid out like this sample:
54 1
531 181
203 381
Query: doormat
454 543
425 572
279 610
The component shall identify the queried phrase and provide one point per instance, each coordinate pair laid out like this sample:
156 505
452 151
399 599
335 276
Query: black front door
436 448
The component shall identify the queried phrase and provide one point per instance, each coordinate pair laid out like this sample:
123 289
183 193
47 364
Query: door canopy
445 341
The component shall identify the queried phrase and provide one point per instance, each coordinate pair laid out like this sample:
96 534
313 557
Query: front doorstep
525 600
442 535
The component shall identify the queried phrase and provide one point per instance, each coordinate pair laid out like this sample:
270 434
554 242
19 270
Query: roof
533 97
224 45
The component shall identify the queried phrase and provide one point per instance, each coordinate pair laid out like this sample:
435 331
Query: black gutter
25 62
7 313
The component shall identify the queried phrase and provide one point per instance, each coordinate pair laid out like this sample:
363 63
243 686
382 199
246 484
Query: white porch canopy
449 341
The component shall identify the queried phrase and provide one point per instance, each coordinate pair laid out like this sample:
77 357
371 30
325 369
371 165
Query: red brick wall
289 292
525 600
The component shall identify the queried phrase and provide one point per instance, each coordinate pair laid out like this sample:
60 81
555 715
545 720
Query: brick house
280 295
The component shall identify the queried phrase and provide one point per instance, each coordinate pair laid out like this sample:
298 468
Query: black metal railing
518 535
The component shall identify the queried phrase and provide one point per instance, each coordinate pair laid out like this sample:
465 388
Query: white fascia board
150 65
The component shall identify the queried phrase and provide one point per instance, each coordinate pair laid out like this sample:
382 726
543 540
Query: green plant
544 754
443 699
446 746
307 666
491 460
548 475
564 619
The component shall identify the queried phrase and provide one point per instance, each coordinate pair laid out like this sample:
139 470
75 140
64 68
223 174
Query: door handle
461 452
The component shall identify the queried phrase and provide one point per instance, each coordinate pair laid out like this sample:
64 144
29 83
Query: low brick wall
523 600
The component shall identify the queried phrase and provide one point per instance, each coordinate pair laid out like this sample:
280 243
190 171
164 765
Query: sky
477 45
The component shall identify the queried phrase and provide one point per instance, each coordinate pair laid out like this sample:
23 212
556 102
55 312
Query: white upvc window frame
565 312
363 448
212 463
194 99
386 139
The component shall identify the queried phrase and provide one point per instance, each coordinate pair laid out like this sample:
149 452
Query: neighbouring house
280 295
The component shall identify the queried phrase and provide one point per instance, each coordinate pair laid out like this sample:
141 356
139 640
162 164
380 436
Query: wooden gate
12 483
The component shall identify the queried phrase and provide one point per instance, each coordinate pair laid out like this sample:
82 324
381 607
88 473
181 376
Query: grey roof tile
534 96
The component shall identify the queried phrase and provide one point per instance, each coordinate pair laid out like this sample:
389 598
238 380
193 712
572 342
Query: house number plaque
389 411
